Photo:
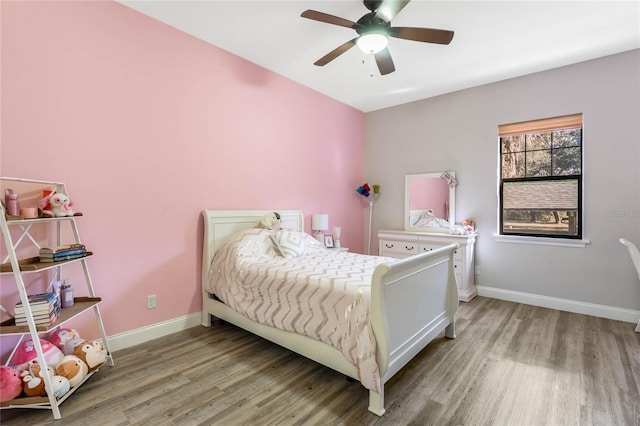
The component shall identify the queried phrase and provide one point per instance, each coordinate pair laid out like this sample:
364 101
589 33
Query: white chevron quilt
319 293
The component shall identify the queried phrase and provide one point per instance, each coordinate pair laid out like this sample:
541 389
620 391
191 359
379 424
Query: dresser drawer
425 247
405 248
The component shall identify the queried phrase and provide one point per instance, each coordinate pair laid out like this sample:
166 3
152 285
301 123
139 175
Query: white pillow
289 243
253 242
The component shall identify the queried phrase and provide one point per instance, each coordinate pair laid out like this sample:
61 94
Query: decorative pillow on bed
253 242
289 243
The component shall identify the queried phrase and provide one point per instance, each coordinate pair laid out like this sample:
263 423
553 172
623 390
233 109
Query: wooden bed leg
376 402
450 331
206 319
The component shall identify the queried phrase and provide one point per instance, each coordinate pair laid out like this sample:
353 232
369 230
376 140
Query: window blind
565 122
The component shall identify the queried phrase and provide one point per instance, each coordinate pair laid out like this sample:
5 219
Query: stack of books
45 308
58 253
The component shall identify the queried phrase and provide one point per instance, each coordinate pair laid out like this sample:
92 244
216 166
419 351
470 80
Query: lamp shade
372 42
320 222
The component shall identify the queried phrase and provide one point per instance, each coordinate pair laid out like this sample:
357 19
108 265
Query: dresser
400 244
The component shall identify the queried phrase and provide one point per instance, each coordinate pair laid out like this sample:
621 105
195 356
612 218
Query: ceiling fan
374 30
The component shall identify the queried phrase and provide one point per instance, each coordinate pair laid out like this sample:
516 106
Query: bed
411 301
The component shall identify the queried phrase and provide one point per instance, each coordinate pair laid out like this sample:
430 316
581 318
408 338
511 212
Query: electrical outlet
151 301
477 270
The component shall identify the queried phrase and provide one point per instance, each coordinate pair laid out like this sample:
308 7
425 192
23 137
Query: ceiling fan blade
428 35
384 61
329 19
390 8
335 53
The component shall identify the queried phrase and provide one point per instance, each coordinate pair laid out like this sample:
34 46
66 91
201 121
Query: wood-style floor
511 364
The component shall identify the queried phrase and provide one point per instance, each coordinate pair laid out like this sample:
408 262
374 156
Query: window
541 178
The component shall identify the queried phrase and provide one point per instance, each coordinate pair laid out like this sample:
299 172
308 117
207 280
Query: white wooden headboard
221 224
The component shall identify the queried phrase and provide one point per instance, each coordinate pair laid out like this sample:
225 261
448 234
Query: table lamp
319 223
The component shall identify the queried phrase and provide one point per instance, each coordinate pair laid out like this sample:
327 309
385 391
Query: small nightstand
339 248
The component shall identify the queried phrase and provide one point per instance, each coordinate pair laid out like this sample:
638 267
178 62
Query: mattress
288 280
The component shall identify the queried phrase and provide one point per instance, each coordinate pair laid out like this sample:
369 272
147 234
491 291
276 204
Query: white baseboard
601 311
153 331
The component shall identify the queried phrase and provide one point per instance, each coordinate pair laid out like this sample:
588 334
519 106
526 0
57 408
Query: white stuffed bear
270 220
60 205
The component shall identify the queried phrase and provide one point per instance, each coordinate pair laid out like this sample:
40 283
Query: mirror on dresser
429 200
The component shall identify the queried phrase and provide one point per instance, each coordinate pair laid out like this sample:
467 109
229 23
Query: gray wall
458 132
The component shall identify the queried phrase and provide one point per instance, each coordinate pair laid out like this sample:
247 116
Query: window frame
533 127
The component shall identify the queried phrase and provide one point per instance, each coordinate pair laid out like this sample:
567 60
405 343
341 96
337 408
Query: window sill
541 241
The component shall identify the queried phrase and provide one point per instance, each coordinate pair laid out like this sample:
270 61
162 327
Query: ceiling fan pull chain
371 65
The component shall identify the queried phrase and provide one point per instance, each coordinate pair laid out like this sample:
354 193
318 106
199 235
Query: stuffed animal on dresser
10 383
92 353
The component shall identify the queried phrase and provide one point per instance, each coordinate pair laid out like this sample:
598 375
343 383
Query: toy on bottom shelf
26 354
10 383
73 368
69 346
67 371
34 384
61 336
92 353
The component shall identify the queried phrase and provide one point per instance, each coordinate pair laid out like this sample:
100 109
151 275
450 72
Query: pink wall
149 126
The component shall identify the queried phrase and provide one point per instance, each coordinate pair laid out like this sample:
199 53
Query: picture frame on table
328 241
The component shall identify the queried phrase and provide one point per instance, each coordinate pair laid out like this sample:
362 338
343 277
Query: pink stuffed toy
60 205
10 383
56 204
62 335
26 354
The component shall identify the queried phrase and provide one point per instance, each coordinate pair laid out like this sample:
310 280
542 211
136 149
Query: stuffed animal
92 353
61 336
34 384
70 346
33 379
25 354
270 220
469 225
10 383
73 368
61 385
60 205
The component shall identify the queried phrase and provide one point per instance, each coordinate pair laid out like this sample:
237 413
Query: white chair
635 258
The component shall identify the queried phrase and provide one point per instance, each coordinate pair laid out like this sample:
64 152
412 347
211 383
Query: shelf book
60 253
65 256
47 318
45 308
61 249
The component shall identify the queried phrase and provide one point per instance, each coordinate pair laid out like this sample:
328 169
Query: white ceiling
494 40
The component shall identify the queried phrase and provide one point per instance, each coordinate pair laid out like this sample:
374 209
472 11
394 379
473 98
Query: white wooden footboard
412 301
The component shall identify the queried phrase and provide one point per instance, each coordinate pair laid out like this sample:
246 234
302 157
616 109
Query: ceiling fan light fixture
372 42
